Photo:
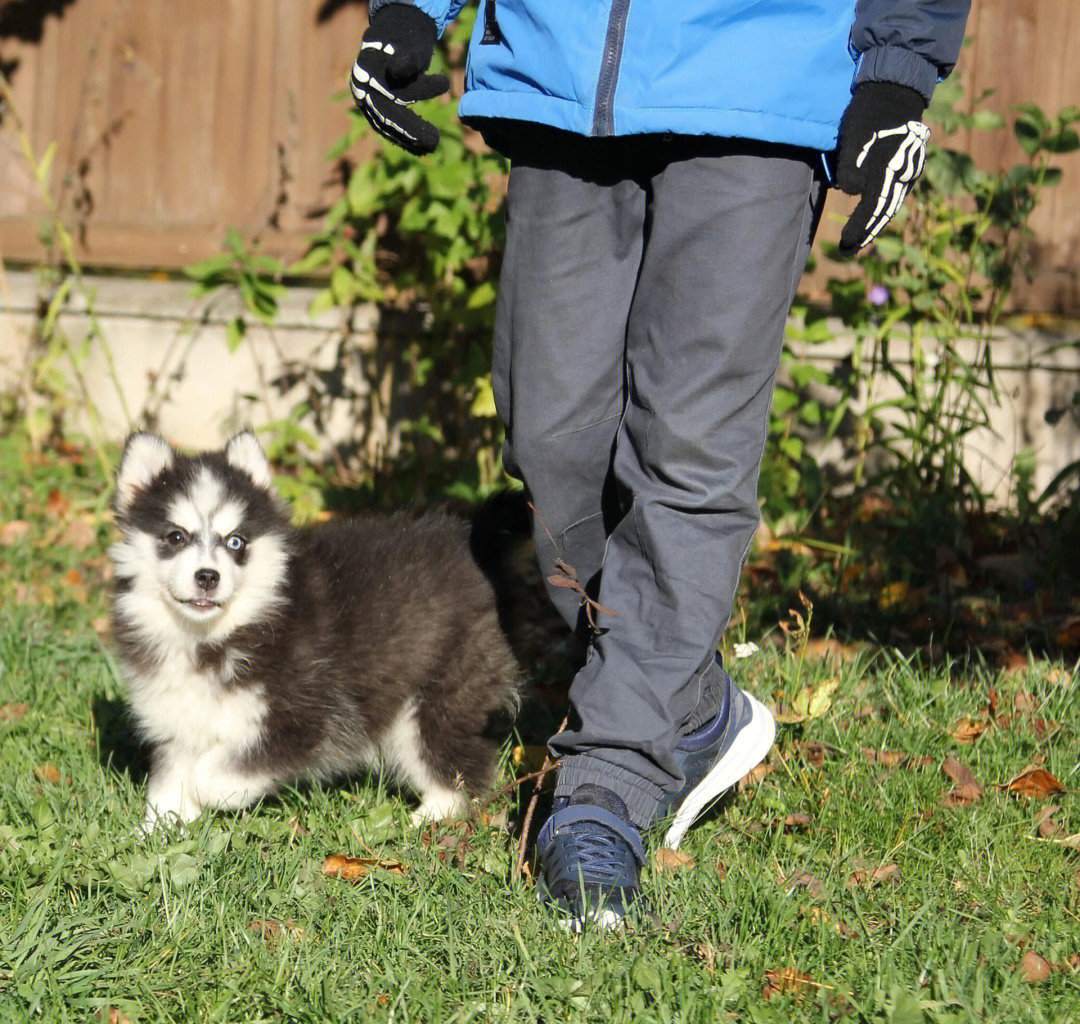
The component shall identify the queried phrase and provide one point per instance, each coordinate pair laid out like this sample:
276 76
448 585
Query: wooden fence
175 121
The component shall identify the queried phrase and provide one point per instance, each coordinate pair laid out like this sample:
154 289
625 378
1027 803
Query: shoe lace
604 858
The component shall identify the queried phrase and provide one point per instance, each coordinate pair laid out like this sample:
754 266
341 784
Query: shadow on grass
119 748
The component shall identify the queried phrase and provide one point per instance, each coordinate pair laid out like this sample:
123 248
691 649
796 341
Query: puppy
257 654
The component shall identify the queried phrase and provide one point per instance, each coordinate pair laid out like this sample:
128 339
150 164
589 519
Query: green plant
421 239
918 379
55 361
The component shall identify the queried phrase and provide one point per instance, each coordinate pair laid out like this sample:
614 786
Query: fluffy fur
256 654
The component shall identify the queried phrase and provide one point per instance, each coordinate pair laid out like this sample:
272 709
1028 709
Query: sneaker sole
603 918
754 741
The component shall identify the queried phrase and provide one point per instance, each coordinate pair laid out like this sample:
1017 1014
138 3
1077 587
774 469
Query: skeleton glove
882 151
388 76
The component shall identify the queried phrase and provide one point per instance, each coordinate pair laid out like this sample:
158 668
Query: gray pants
641 312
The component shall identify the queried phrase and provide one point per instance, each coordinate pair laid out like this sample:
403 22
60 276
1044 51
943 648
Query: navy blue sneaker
590 858
715 757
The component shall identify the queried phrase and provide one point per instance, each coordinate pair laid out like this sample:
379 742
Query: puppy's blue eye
235 543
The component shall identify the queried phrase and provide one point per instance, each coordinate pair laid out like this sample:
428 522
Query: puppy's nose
207 579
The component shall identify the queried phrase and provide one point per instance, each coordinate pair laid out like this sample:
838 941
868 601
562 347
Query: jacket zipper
603 119
492 34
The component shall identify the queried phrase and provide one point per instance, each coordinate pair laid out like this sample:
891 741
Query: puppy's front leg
169 794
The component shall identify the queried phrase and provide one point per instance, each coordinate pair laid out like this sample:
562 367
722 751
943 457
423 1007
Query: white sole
754 741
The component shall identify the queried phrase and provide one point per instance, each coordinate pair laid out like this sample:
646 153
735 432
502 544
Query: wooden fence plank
177 121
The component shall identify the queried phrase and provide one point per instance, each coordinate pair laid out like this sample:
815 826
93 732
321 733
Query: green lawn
850 882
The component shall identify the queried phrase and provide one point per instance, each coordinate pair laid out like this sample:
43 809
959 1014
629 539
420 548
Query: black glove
882 151
388 75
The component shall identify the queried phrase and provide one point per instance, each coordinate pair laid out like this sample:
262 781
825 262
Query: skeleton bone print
903 168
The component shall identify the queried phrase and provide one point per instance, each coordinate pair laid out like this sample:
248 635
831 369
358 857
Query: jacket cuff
436 11
897 65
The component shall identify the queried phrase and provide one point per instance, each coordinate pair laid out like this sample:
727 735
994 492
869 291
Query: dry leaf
78 534
48 773
707 954
669 861
1068 635
14 531
271 931
57 505
801 878
1045 812
889 874
1024 701
800 819
788 981
267 929
352 868
1034 968
1048 827
814 753
1035 783
755 775
721 871
967 789
889 758
968 730
13 712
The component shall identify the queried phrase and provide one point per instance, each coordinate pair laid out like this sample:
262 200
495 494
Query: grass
777 918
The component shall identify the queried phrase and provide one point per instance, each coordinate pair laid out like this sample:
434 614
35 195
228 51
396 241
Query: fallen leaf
721 871
72 578
1024 701
353 868
1035 783
800 878
889 874
267 929
57 504
707 954
14 531
893 594
799 819
48 773
894 758
79 534
13 712
1048 827
967 789
968 730
1068 635
1073 843
102 625
755 775
814 753
670 861
1033 968
788 981
1046 812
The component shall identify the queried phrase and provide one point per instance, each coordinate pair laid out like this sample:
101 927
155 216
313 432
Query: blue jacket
773 70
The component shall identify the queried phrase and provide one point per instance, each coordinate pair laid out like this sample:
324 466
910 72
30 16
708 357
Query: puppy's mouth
200 604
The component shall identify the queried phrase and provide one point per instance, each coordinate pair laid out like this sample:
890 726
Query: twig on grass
546 767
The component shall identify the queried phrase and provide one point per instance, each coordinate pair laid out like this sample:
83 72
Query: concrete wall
174 370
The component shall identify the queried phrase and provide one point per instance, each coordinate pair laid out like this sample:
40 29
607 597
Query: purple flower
878 295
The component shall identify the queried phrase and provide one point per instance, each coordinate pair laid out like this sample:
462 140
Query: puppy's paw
439 804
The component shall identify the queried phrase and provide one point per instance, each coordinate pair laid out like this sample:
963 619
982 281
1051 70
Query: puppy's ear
245 453
145 456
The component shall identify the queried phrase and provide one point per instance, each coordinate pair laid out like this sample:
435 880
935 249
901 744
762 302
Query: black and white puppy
257 654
